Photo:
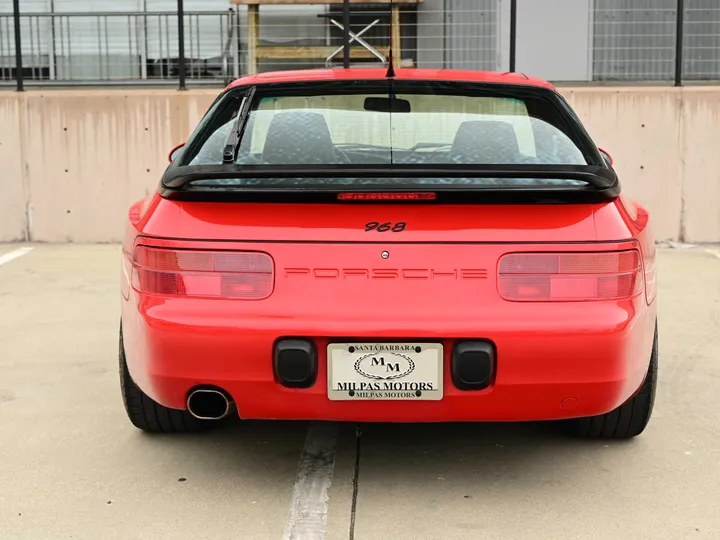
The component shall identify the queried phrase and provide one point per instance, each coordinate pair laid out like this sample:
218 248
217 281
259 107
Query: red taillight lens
542 277
212 274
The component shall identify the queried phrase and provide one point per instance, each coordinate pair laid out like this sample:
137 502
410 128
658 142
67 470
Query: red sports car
396 246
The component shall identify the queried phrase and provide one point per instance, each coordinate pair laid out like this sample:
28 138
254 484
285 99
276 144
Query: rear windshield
403 123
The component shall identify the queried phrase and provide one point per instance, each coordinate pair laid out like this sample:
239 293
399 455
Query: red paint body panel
346 222
340 74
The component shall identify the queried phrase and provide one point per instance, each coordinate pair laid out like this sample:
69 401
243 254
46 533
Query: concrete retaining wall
72 161
666 147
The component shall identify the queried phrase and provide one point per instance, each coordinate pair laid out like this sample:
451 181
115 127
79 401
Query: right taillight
244 275
567 277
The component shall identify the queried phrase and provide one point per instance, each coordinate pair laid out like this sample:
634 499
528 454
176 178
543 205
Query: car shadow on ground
267 450
440 466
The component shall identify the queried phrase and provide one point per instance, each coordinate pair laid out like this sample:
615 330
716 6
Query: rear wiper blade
230 152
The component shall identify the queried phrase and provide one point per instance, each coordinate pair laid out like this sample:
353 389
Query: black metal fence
632 40
116 47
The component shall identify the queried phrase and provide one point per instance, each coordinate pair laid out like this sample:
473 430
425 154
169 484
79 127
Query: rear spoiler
181 182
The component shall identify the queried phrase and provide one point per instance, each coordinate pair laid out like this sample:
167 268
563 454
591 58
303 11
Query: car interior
303 137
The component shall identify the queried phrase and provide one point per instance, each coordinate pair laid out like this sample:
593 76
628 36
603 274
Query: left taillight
581 276
243 275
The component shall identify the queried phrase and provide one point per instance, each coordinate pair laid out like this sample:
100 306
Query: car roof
341 74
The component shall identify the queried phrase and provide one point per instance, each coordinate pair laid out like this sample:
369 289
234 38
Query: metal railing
114 47
634 43
701 49
629 40
656 40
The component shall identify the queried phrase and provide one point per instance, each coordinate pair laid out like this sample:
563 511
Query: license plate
358 371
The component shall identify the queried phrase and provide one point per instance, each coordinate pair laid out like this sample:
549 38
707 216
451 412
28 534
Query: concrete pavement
72 466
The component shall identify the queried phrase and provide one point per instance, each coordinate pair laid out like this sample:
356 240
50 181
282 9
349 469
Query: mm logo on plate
388 365
387 371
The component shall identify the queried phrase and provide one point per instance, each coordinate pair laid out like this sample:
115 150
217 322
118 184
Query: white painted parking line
308 511
14 255
714 252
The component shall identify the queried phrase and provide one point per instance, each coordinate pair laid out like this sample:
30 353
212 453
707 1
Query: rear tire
146 413
630 418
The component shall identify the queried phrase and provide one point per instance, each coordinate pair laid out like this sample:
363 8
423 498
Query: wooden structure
256 52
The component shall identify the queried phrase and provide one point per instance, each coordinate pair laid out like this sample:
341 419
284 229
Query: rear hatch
400 196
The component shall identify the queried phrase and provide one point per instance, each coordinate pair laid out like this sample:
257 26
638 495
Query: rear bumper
586 360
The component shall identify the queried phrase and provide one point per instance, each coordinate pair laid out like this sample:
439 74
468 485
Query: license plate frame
391 371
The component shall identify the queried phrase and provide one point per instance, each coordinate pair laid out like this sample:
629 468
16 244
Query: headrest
299 138
485 141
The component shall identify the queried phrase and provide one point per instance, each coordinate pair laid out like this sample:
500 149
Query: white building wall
554 39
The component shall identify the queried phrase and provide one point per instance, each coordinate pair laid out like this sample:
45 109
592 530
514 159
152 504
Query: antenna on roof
390 73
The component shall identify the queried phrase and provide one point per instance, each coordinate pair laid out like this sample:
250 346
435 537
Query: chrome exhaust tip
208 404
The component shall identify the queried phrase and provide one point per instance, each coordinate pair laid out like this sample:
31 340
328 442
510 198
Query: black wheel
630 418
147 414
